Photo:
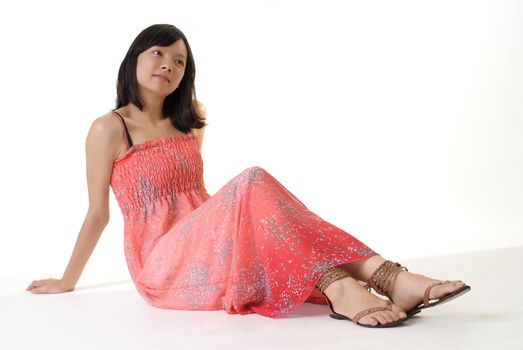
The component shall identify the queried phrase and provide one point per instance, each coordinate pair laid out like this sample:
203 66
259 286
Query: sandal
382 279
336 273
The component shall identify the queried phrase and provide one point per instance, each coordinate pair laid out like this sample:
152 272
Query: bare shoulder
107 125
199 132
200 107
106 130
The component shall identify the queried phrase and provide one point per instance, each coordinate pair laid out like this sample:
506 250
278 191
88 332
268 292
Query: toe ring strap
365 312
427 292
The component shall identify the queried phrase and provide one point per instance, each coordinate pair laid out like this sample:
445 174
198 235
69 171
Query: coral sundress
252 247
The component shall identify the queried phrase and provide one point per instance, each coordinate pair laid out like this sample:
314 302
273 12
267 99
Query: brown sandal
336 273
383 278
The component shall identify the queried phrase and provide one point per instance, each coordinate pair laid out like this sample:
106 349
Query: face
167 61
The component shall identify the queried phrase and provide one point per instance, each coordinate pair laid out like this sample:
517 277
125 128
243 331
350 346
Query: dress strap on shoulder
125 131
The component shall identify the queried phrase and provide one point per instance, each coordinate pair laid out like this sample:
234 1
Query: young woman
251 247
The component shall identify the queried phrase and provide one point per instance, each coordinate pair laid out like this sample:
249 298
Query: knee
253 174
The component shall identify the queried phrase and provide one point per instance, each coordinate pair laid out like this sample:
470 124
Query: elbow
98 217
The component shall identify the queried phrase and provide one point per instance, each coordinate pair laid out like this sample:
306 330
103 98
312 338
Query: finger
39 290
41 283
32 285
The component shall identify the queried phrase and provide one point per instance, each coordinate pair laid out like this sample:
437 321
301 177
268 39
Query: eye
181 62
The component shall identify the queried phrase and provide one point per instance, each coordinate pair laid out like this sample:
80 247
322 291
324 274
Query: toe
374 321
396 316
389 316
445 288
455 285
369 321
381 318
399 311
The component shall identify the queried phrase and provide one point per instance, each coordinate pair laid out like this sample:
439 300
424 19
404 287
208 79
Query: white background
397 121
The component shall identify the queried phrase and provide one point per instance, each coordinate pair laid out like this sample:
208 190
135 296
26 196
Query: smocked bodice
157 169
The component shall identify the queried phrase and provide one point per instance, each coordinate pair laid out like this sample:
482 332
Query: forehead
178 48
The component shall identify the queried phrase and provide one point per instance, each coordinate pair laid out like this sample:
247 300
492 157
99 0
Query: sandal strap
333 274
365 312
382 279
427 292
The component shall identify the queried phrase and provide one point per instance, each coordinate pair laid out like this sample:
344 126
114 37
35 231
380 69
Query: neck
151 112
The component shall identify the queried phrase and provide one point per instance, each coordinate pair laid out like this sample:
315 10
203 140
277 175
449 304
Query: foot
409 288
348 298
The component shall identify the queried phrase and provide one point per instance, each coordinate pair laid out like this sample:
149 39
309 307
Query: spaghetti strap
125 131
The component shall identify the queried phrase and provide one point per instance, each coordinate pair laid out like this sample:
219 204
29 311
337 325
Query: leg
407 289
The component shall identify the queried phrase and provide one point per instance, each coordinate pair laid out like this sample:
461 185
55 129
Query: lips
163 77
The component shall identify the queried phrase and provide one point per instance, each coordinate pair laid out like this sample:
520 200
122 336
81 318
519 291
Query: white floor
115 317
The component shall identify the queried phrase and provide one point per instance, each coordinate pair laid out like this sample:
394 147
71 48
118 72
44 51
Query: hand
48 286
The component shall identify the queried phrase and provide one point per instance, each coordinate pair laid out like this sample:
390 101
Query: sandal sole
447 298
386 325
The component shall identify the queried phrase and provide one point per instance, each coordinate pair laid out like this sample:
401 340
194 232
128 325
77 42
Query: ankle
363 269
384 279
337 290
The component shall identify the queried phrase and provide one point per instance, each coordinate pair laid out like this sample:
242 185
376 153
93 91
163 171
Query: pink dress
252 247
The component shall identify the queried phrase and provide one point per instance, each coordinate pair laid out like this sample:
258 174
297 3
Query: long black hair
180 106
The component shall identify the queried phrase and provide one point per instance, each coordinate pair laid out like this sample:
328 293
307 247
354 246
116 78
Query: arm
201 111
101 150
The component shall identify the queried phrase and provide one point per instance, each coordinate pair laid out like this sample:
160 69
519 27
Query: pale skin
105 143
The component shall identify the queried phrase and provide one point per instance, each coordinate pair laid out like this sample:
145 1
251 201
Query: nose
167 65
